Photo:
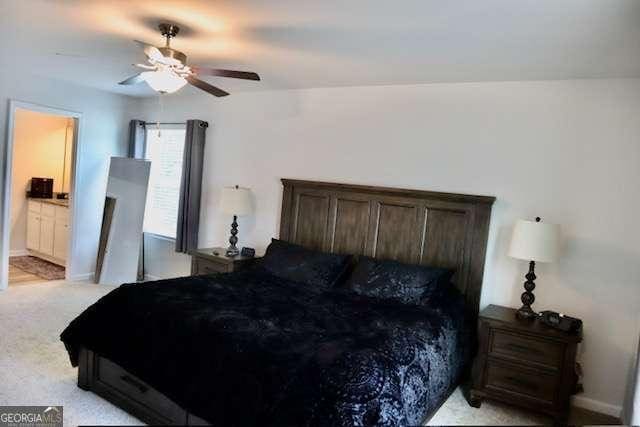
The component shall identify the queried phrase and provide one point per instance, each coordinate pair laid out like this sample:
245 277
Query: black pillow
293 262
412 284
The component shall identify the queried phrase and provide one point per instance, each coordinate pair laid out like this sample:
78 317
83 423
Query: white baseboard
597 406
19 252
83 276
90 276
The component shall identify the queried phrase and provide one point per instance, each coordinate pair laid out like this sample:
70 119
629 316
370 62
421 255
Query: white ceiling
311 43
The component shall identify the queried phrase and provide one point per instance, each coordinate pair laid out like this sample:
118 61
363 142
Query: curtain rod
165 123
202 123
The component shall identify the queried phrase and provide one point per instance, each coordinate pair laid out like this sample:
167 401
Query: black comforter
247 348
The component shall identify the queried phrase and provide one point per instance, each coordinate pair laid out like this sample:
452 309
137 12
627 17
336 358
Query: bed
254 347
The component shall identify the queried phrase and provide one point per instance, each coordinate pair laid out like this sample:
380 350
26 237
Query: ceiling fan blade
200 84
146 67
151 51
133 80
205 71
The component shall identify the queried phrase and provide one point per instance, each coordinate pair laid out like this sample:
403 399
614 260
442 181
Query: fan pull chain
161 107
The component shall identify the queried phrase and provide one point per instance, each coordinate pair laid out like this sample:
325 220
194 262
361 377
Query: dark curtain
137 150
137 138
191 187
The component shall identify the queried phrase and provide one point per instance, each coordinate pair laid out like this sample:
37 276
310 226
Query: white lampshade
236 201
535 241
163 80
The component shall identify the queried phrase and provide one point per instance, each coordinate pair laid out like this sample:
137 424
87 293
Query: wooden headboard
411 226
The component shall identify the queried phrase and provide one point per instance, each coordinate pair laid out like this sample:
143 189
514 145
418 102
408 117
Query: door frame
5 220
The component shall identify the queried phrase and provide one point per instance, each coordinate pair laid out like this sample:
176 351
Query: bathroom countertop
57 202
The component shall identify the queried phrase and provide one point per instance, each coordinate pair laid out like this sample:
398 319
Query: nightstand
524 363
203 261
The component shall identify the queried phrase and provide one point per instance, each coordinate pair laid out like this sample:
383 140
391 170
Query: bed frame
413 226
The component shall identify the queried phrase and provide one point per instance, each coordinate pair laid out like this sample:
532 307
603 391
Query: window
164 147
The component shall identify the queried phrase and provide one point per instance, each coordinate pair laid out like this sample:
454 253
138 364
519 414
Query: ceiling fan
167 69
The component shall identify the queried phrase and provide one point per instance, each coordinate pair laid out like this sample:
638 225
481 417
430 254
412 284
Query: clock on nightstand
525 363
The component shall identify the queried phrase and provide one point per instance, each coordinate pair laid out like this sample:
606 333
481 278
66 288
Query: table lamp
533 241
235 201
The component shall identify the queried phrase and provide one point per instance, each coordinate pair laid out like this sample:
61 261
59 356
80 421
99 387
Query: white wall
568 151
102 134
38 151
160 259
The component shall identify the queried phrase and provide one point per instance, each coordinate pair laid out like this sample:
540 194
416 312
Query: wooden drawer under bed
125 390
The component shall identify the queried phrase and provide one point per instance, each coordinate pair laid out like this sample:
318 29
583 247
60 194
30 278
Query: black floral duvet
247 348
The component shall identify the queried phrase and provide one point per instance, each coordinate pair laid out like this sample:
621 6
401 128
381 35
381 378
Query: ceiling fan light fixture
167 70
163 80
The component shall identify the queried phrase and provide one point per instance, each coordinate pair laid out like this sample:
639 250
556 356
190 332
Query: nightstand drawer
501 377
517 347
206 266
214 260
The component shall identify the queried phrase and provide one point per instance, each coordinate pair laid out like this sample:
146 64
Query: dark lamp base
525 312
233 250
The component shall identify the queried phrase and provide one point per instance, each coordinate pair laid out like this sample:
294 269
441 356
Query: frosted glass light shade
236 201
163 80
535 241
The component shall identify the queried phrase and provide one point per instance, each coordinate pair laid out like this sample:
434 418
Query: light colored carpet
35 369
456 411
21 277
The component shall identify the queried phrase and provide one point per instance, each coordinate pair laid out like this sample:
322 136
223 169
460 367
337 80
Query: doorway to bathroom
38 200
